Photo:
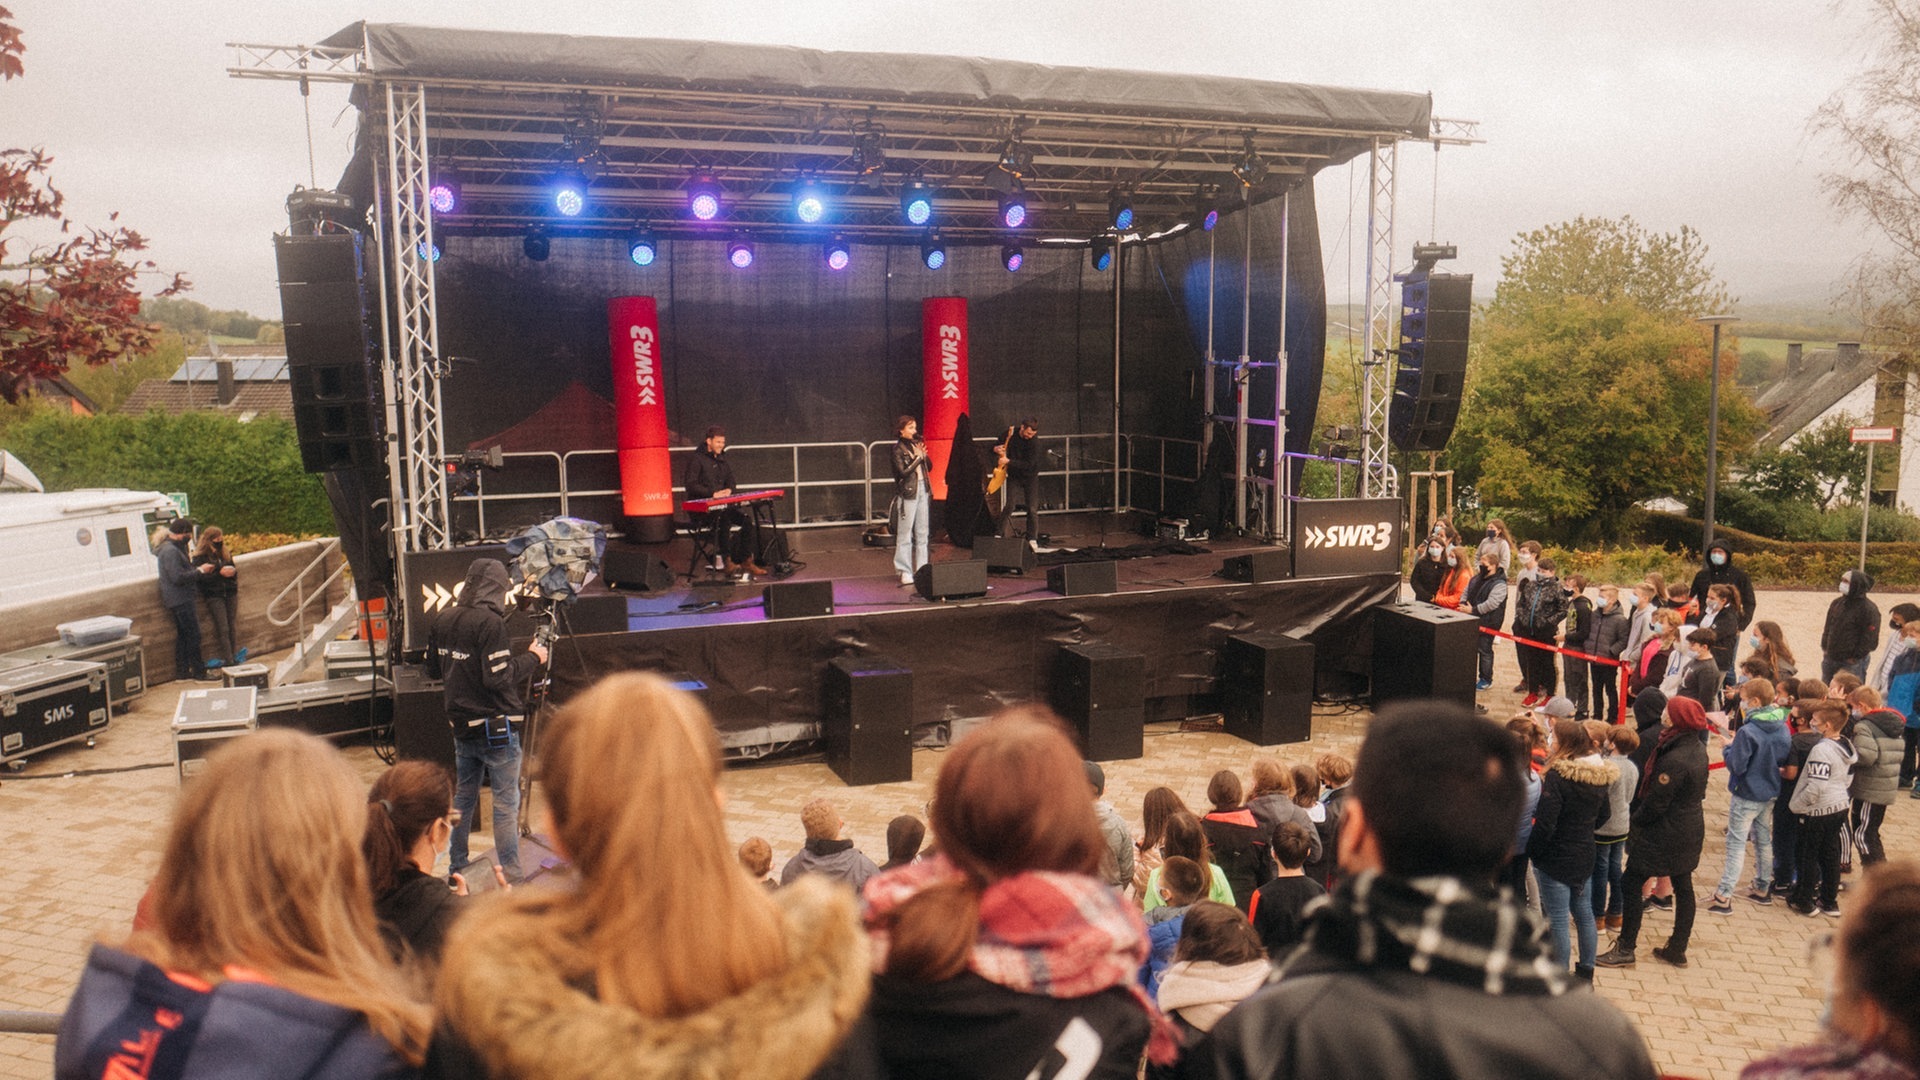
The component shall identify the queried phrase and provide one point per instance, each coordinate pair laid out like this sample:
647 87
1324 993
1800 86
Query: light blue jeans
502 767
1562 903
1743 816
910 550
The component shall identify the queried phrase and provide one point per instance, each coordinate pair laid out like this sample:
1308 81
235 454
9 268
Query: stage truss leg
1377 479
421 524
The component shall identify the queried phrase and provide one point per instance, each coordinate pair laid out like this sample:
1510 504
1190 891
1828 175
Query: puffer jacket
1542 606
1573 805
1608 635
1878 742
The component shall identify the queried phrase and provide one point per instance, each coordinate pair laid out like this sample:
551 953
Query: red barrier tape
1620 709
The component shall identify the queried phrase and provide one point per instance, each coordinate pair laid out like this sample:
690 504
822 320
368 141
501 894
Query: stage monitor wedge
1004 554
1264 564
1084 578
798 599
959 580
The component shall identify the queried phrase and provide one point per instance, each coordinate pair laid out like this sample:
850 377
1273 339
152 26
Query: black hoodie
1729 574
1853 623
467 646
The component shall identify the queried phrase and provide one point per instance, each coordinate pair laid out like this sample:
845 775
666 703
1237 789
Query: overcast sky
1675 113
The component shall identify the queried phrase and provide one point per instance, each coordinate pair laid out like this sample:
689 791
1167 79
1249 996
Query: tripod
547 637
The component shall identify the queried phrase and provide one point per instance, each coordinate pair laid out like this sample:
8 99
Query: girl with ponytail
409 820
1005 947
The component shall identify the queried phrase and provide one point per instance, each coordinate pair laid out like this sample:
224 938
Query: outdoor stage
764 676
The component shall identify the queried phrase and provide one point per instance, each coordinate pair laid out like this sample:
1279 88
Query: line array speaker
1435 312
331 367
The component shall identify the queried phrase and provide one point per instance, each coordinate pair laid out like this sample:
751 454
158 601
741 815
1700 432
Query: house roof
174 398
245 368
1823 378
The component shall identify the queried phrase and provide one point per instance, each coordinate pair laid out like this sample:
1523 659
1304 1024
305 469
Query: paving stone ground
83 829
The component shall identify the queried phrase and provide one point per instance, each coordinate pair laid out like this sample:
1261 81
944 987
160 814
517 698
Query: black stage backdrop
788 351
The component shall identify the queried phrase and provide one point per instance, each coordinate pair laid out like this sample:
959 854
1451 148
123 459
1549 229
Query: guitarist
1019 454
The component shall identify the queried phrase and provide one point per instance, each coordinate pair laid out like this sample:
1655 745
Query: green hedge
243 477
1810 563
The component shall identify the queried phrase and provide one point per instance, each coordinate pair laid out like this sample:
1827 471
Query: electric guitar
998 477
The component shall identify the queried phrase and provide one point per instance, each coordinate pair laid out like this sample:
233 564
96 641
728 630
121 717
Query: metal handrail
298 587
29 1023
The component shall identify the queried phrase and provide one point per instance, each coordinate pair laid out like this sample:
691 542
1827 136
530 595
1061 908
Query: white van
56 543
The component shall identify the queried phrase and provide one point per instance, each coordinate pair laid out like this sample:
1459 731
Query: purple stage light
740 254
1211 219
1012 258
705 206
442 198
839 256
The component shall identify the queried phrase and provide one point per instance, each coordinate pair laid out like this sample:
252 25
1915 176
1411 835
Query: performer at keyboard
736 535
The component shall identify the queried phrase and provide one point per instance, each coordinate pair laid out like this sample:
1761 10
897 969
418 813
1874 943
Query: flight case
50 703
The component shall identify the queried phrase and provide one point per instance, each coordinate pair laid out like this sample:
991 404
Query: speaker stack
1422 651
1268 679
1436 310
331 364
1101 690
869 727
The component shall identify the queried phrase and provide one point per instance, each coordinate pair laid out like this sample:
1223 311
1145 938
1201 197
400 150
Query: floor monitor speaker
1265 564
951 580
869 720
1004 554
1268 683
798 599
626 566
1084 578
1101 690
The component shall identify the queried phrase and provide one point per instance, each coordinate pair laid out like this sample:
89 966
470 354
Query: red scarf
1058 935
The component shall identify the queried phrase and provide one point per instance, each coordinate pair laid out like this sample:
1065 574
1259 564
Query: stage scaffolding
633 110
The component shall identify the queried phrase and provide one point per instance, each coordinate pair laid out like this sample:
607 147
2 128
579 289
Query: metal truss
421 524
1377 479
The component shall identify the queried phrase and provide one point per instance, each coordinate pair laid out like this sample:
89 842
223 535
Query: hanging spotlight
933 251
838 255
570 193
1119 209
1206 209
809 202
740 253
443 195
916 202
869 154
1250 169
1013 208
703 196
537 245
1012 257
1102 252
642 248
431 253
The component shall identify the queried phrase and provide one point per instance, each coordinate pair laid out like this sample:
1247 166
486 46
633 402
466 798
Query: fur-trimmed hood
1587 771
523 1003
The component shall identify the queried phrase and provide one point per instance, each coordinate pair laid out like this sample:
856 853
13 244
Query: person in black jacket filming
467 646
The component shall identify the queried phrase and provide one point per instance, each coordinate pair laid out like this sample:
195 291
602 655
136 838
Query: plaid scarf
1057 935
1435 926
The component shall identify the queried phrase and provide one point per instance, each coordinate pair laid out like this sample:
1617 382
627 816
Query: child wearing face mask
1429 570
1722 615
1459 572
1693 674
1606 637
1579 628
1640 603
1537 615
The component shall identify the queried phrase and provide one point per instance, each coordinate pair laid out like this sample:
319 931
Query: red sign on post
1874 434
943 353
639 408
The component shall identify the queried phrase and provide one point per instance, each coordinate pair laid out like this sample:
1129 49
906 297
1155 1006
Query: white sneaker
906 579
720 563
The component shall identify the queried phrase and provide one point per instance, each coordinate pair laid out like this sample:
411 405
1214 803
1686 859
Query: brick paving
84 833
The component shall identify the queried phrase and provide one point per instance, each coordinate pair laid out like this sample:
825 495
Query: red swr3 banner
943 362
639 407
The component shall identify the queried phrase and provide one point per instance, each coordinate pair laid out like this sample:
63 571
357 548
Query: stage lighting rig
1012 257
740 253
1014 165
809 202
933 251
1120 209
869 153
1013 208
837 254
1206 209
703 196
916 202
429 252
1251 169
642 248
537 245
1101 251
570 192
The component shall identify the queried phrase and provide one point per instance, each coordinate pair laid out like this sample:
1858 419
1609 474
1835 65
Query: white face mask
1451 561
1435 551
1843 586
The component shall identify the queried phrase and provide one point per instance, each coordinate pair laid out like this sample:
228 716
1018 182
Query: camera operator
467 646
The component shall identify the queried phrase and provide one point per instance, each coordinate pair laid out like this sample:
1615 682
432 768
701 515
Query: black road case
49 704
124 658
347 706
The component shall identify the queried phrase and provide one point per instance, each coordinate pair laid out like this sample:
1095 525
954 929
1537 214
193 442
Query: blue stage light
809 203
1119 209
570 194
1102 252
838 255
740 254
1013 209
431 254
703 197
916 203
1012 257
933 252
642 249
1209 219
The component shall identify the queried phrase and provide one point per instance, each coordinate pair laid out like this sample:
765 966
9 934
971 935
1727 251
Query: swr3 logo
1378 536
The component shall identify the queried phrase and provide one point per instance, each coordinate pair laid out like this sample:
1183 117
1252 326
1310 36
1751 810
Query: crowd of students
1335 919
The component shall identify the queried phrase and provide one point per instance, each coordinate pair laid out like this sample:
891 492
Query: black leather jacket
909 467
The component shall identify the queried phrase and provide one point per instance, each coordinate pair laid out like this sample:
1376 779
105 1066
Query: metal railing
297 588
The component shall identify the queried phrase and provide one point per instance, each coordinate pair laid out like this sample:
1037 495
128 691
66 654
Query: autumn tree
1587 384
76 300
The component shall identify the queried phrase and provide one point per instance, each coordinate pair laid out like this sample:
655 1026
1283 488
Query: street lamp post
1713 423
